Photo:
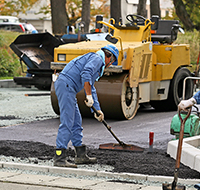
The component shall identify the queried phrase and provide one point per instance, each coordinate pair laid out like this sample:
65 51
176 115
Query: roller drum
116 98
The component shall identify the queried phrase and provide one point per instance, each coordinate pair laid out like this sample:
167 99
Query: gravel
36 161
11 102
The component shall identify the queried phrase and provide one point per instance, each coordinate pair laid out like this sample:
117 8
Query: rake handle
108 127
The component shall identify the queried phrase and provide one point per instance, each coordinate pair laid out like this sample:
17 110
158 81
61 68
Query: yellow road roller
150 69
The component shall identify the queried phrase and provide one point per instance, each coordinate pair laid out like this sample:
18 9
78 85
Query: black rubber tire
54 100
176 91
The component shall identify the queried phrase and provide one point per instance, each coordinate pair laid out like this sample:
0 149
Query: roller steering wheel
134 20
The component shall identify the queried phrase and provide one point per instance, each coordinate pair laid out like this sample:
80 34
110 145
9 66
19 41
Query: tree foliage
74 10
193 9
182 14
14 7
9 62
99 7
188 13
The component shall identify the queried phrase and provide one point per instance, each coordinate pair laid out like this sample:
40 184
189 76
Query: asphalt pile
149 163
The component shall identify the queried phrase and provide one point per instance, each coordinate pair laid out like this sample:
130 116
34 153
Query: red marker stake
151 135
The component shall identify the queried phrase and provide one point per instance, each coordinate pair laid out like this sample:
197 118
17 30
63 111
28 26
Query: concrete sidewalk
30 176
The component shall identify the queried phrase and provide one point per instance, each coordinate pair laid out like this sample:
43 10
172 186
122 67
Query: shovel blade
126 147
166 186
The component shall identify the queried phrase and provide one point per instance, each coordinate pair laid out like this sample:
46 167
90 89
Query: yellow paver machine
150 69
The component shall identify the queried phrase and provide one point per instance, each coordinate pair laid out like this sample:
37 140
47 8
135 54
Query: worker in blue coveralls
81 72
184 104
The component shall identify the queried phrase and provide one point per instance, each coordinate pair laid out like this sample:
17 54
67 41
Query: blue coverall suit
197 97
86 68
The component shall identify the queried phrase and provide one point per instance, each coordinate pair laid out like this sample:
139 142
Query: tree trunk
141 9
182 14
155 8
59 16
115 10
86 14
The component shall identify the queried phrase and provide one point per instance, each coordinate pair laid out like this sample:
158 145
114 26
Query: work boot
81 157
60 159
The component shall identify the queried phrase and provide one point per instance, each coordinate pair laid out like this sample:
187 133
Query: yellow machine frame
150 66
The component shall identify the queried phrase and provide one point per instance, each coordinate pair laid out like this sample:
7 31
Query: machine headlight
61 57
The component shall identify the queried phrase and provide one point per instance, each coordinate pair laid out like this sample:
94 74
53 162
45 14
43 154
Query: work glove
184 104
100 117
89 101
55 76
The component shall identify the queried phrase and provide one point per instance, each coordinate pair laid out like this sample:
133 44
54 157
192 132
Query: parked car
29 28
9 19
10 26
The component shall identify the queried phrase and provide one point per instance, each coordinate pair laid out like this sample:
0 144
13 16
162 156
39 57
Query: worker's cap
111 48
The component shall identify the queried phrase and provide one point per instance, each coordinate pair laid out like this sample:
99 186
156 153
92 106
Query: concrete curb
8 83
190 152
96 174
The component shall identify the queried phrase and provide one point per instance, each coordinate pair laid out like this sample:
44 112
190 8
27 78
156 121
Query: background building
41 21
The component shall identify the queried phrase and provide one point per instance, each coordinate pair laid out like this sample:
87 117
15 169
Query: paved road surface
31 109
